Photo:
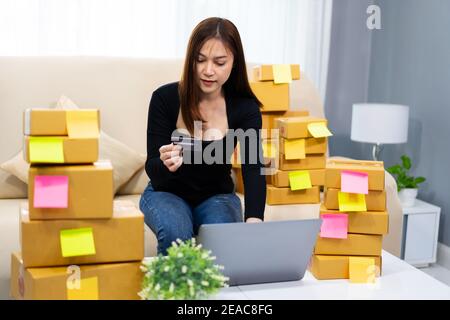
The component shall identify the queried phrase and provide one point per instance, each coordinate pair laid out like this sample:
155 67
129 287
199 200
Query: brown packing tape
118 239
90 191
355 244
375 199
277 196
335 267
76 150
116 281
370 222
374 170
265 72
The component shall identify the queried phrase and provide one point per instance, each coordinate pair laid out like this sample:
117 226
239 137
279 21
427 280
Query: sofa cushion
126 161
11 187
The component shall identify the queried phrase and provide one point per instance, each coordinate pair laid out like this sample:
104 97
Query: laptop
264 252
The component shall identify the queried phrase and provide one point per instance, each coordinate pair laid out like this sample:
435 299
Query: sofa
121 89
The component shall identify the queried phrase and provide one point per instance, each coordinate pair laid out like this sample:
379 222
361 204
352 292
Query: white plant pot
408 197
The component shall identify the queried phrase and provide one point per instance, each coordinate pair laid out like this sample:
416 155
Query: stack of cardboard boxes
76 243
354 220
294 143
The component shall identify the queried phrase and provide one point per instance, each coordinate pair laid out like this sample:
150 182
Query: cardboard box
354 245
374 169
312 145
281 178
50 122
90 191
375 199
370 222
265 72
118 239
76 150
112 281
312 161
287 196
268 120
274 97
296 127
335 267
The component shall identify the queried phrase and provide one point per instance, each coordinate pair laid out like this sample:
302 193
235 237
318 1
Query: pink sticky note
354 182
334 225
51 191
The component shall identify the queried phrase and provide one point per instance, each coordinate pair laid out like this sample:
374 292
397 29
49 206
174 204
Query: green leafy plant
187 272
400 172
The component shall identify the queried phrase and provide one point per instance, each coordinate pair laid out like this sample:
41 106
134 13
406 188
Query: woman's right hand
170 155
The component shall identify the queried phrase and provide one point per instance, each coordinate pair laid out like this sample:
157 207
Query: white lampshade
380 123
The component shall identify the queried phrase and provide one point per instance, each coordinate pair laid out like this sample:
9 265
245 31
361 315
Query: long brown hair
237 84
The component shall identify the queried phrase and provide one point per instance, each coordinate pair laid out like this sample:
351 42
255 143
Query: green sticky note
46 150
282 73
77 242
299 180
351 202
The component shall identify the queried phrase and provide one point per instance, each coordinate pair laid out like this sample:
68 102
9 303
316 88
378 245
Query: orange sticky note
351 202
362 270
87 290
77 242
82 123
294 149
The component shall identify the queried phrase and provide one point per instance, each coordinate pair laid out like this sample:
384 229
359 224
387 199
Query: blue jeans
170 217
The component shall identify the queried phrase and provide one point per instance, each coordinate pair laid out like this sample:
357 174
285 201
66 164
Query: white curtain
272 31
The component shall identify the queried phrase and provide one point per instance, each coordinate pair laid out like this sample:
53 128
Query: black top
197 182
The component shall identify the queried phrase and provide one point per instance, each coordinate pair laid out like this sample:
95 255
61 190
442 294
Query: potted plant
407 185
187 272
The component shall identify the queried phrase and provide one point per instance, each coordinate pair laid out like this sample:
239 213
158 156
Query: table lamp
379 124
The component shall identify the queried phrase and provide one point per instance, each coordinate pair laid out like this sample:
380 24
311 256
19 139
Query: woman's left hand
253 220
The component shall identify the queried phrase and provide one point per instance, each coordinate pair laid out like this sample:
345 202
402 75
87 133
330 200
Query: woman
214 90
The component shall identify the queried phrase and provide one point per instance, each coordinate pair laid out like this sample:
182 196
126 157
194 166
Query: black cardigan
197 182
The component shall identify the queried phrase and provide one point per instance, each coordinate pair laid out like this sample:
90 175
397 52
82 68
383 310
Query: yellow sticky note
46 150
82 123
294 149
351 201
362 270
282 73
77 242
87 290
299 180
319 130
269 149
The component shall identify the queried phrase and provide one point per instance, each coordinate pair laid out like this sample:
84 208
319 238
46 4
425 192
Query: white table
399 280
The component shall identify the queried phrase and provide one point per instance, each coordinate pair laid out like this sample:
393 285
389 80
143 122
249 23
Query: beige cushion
11 187
136 185
126 162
